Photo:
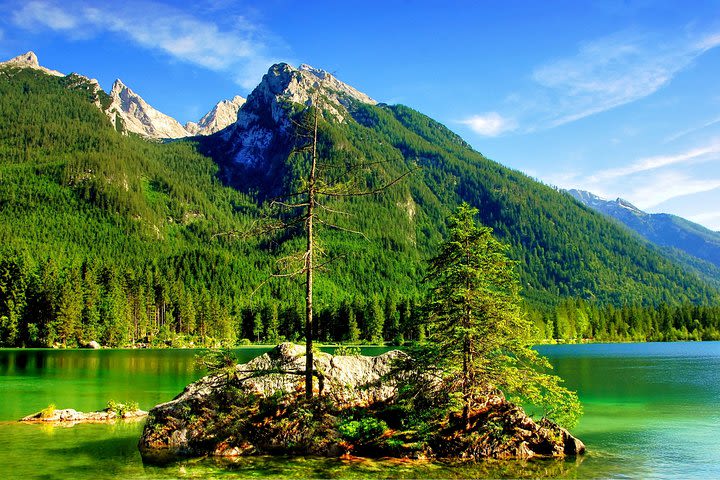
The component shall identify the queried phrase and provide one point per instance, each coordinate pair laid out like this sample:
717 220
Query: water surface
651 411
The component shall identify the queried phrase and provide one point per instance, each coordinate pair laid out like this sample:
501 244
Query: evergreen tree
375 320
477 334
272 326
353 331
257 326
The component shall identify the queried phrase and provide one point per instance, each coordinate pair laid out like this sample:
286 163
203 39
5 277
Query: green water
651 410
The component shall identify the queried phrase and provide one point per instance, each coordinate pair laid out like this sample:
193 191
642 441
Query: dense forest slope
109 237
676 234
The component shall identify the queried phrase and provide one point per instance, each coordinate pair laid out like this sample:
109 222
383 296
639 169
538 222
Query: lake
651 410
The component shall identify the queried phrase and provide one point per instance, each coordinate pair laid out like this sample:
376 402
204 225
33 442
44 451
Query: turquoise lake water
651 411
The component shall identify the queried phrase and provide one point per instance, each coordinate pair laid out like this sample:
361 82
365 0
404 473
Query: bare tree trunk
309 267
466 348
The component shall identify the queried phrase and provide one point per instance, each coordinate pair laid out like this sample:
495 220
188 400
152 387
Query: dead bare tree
310 200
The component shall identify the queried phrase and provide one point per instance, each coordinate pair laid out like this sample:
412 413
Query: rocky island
70 416
259 408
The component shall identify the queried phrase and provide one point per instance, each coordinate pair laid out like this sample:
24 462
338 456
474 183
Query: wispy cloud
37 15
238 48
668 185
704 153
711 219
602 74
688 131
490 124
650 181
613 71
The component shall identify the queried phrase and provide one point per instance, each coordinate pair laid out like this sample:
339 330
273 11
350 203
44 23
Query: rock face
258 408
30 60
223 114
70 416
349 380
256 133
141 118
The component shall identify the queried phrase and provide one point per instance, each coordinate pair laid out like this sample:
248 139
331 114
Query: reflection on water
651 410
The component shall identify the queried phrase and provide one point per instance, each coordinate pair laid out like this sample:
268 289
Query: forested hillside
117 239
685 242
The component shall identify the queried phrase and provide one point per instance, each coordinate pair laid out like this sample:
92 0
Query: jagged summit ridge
284 83
254 133
597 202
30 60
223 114
139 117
659 228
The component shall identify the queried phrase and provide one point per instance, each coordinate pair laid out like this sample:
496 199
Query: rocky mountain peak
223 114
118 86
284 83
141 118
30 60
263 124
626 204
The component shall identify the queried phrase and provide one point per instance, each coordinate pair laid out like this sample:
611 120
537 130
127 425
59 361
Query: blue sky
617 97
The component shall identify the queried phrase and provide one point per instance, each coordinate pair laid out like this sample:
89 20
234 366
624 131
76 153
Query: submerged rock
258 408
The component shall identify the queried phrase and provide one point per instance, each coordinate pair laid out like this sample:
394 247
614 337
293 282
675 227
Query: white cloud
613 71
709 41
705 153
239 49
651 181
603 74
709 219
490 124
668 185
43 14
688 131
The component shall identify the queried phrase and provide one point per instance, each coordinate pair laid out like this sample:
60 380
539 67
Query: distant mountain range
661 229
137 116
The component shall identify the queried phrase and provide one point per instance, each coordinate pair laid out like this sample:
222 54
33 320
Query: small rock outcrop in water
92 345
258 408
71 416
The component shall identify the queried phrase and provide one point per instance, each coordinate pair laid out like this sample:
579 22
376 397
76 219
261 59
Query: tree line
48 304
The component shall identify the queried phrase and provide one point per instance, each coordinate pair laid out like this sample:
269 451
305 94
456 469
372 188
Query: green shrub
120 408
363 431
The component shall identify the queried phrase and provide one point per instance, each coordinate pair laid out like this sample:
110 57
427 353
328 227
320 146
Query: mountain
30 60
562 248
111 237
131 113
139 117
222 115
661 229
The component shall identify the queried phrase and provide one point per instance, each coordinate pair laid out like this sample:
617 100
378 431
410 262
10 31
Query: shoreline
334 345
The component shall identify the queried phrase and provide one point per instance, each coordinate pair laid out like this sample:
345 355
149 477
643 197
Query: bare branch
330 210
342 229
288 205
367 192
